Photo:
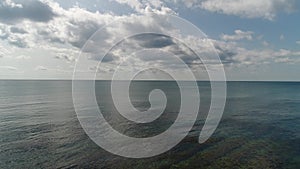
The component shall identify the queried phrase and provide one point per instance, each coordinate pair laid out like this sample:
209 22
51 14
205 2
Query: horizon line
165 80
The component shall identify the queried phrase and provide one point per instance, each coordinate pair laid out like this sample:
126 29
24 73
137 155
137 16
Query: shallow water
260 127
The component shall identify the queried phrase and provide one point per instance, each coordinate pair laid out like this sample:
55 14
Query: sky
43 39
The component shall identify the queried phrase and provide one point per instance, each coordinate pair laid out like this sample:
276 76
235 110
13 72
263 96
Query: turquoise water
260 127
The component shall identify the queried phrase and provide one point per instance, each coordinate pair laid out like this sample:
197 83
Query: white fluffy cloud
72 27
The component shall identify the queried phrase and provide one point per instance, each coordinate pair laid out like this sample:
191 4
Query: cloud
5 51
4 32
9 68
266 9
147 6
150 49
41 68
17 41
80 32
34 10
265 43
67 30
17 35
66 57
17 30
153 40
298 42
226 55
236 55
72 26
281 37
283 60
239 35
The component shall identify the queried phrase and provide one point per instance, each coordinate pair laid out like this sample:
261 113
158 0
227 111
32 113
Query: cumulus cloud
71 28
239 35
131 47
11 12
226 55
17 41
16 35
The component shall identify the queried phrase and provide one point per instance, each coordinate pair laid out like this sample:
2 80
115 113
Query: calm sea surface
260 127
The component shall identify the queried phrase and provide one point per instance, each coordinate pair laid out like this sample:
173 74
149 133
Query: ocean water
260 127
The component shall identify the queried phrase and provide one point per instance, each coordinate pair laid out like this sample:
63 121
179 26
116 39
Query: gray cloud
169 45
65 57
80 32
226 55
151 40
18 42
160 42
32 10
109 58
4 33
18 30
15 36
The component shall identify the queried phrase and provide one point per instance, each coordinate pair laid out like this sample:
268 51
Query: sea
260 127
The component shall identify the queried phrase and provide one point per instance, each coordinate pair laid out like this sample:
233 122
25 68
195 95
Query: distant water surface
260 127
